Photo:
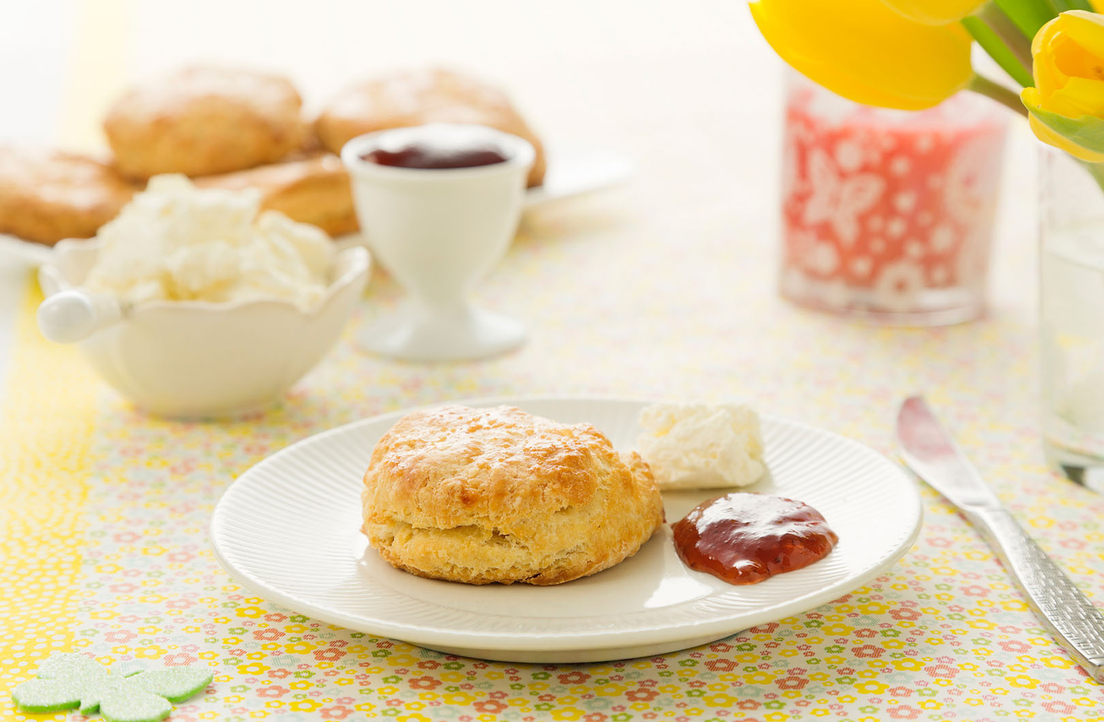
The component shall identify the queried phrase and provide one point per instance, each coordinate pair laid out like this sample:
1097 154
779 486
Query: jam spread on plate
747 538
437 156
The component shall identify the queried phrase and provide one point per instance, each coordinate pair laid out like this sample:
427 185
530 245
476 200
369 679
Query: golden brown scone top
414 97
311 188
204 120
284 174
46 196
457 465
499 495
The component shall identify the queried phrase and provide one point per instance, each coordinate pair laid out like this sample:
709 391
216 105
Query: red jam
747 538
429 156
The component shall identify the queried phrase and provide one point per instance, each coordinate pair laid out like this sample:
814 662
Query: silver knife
928 449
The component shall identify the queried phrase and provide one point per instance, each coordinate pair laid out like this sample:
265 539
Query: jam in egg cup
438 205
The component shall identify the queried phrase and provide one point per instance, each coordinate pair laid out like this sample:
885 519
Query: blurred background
689 91
609 73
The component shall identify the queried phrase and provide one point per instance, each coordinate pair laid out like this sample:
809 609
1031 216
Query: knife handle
1062 607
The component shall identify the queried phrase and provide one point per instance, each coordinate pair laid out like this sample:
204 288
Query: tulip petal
934 12
1081 136
1079 96
1068 58
1086 29
866 52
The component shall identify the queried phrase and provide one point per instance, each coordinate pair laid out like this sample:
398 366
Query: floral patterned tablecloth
665 289
106 510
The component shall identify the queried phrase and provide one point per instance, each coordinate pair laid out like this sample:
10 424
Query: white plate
572 173
289 529
576 172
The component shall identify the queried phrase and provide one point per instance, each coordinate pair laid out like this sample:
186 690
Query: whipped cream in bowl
176 242
194 303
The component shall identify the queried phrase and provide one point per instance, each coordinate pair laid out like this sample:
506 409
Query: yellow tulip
1067 102
935 12
863 50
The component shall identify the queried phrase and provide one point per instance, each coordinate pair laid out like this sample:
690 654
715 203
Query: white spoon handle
74 315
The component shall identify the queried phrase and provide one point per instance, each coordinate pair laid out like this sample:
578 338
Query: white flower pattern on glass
849 156
900 165
899 285
839 200
972 178
878 213
822 259
862 265
942 239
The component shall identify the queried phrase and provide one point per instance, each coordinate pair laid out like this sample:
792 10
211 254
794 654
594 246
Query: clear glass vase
1071 314
887 215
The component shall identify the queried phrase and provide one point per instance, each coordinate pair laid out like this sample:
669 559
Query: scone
423 96
311 190
46 196
204 120
497 495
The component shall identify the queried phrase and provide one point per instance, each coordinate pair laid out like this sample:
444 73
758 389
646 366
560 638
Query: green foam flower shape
73 680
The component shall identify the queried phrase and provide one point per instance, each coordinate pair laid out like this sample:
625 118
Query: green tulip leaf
995 46
1029 15
66 681
1085 131
1073 5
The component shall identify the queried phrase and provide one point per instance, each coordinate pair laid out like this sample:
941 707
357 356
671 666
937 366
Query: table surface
664 289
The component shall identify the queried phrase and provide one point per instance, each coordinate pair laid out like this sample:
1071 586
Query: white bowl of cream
194 304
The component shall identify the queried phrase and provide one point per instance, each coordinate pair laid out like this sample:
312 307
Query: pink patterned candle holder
887 215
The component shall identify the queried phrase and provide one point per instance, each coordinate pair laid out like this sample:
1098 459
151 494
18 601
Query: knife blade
928 449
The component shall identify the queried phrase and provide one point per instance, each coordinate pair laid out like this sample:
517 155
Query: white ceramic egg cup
438 231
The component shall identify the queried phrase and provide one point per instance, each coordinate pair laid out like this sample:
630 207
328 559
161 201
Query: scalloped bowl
194 359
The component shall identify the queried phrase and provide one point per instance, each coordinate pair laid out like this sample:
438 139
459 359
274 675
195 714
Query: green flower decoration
73 680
